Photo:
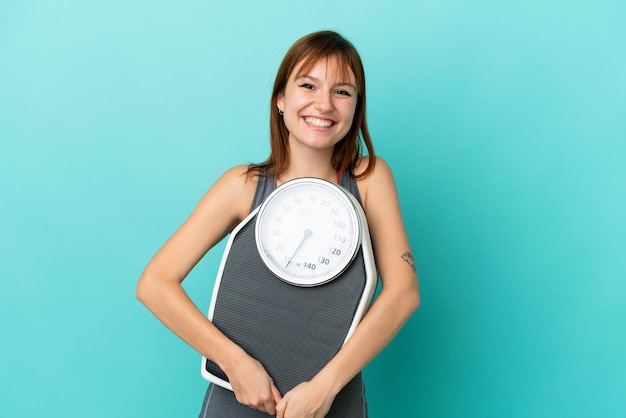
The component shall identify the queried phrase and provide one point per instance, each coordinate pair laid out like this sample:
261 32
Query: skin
318 111
314 99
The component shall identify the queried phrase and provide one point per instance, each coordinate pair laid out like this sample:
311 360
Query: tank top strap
267 184
349 182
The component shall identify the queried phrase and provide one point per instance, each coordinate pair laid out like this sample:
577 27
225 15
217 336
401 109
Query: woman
317 125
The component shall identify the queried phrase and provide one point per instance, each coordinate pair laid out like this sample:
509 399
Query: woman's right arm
159 288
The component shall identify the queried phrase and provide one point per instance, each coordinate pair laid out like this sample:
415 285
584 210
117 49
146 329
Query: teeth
318 122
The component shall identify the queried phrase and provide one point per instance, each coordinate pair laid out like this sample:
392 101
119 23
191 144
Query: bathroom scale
296 277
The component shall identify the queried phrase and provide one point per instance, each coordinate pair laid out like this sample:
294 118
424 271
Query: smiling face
318 105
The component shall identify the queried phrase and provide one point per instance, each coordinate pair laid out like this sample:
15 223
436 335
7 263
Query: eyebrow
337 84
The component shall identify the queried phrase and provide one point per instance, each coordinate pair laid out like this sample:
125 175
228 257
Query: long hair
307 52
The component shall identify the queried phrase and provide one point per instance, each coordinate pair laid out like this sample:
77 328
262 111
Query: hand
307 400
253 386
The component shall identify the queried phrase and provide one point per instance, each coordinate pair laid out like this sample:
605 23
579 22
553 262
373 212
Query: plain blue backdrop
504 123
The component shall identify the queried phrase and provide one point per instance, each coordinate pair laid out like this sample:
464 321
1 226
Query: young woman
317 126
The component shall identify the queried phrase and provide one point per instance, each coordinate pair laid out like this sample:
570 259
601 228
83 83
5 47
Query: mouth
318 123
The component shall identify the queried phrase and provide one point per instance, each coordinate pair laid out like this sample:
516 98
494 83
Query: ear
280 101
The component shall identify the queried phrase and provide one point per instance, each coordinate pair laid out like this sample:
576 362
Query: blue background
504 123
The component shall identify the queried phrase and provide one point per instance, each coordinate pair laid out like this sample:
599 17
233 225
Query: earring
280 112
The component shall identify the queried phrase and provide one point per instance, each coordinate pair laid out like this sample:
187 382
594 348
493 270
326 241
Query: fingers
282 406
264 401
269 407
276 393
254 387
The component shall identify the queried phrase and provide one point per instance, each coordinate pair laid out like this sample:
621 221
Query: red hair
306 53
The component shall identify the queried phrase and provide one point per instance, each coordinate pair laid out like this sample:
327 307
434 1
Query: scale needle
307 233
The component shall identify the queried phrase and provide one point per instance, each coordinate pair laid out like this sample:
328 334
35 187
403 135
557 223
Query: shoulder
377 183
235 188
236 179
380 168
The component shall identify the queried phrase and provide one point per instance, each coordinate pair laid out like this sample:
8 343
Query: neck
310 164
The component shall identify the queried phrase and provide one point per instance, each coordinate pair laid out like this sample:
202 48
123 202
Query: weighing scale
296 277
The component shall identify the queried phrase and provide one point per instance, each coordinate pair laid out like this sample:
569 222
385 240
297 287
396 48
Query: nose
324 102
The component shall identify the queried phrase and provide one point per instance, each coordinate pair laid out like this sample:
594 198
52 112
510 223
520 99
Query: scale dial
308 231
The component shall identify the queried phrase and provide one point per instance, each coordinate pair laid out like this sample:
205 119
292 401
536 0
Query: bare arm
160 289
396 302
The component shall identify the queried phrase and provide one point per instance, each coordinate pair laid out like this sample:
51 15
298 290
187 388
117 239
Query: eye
307 86
343 93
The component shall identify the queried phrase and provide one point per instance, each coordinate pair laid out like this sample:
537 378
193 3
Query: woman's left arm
398 299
